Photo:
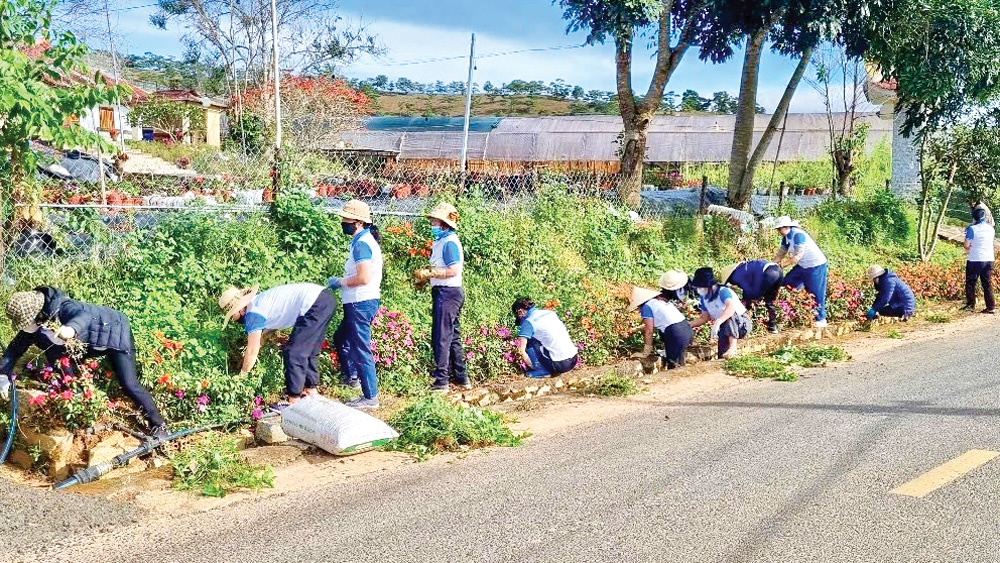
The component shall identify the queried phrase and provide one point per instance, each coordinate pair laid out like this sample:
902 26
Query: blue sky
416 30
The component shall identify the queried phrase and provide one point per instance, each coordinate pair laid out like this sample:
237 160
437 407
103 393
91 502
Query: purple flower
258 400
30 366
257 413
179 393
203 400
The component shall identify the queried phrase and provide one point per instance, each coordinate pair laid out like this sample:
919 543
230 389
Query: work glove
4 387
333 283
66 332
870 314
715 329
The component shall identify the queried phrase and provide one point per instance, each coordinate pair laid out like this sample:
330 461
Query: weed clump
938 318
433 425
777 365
613 385
759 367
212 464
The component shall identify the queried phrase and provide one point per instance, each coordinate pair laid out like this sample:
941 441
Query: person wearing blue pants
757 279
306 308
809 266
894 298
542 340
720 307
360 292
445 277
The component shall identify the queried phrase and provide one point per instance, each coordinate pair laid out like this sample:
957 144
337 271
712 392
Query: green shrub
938 318
213 465
433 425
881 218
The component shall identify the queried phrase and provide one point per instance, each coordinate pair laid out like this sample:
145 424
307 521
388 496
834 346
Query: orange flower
552 304
204 384
164 379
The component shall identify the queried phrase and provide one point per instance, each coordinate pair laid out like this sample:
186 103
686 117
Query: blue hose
13 422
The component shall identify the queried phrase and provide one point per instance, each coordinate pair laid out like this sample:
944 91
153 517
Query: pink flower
67 395
484 331
179 393
258 400
203 400
408 342
503 332
257 413
469 355
38 400
201 408
64 362
87 393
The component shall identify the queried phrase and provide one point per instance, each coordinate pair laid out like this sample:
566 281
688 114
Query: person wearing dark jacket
894 299
757 279
104 331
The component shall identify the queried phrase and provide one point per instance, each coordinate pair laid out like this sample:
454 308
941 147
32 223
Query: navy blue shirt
749 277
894 292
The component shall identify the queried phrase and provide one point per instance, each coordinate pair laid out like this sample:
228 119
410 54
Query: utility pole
276 169
468 109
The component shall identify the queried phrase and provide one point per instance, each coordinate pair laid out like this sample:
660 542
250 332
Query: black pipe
91 474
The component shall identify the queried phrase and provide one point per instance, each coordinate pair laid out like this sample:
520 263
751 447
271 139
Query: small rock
531 389
57 447
488 399
269 431
111 446
246 438
558 384
543 390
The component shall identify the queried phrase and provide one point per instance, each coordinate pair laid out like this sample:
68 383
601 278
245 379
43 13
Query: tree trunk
746 114
633 151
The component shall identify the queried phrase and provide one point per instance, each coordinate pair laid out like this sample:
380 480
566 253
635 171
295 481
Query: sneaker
353 383
363 403
989 312
439 387
773 329
821 324
159 432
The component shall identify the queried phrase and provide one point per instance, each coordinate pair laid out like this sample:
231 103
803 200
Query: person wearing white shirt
721 307
980 251
663 318
542 340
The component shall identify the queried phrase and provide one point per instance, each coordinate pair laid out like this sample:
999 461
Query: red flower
93 364
64 362
164 379
67 395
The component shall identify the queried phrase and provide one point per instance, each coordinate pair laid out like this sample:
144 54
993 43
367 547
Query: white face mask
703 291
30 328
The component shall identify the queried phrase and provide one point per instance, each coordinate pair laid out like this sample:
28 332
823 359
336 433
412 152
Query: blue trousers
895 311
541 362
814 281
676 339
446 335
305 344
354 345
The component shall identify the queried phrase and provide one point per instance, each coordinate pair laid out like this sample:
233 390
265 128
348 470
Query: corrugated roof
414 124
592 138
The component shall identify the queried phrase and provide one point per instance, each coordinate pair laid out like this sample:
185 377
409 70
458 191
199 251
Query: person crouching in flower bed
542 340
661 316
105 332
306 308
757 279
447 297
894 299
720 306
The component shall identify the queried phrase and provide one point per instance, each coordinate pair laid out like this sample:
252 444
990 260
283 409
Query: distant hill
441 105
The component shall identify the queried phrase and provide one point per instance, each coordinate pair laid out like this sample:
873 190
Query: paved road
761 472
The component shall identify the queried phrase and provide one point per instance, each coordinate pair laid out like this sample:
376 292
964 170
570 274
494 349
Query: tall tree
671 25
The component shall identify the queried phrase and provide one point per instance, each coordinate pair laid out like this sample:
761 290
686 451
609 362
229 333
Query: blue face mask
436 231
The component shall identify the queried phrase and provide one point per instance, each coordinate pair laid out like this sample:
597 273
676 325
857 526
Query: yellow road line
945 473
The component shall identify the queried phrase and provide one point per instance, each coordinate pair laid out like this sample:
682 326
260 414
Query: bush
213 465
881 218
432 425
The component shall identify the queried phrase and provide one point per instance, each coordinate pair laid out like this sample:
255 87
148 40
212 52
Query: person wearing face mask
809 267
720 306
105 332
543 342
662 317
306 308
757 279
447 297
360 292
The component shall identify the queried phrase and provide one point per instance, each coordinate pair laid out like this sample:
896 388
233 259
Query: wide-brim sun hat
785 221
357 210
672 280
234 299
446 213
874 271
704 277
727 272
640 295
24 307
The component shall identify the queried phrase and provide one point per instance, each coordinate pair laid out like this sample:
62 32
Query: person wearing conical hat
720 307
105 332
894 298
809 266
661 316
360 293
447 298
306 308
757 279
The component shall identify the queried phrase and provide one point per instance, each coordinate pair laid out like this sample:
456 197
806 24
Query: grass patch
212 464
778 364
759 367
432 425
938 318
894 334
613 385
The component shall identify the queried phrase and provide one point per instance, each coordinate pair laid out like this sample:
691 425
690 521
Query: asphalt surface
760 472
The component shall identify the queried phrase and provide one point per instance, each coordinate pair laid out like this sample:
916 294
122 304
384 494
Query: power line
486 55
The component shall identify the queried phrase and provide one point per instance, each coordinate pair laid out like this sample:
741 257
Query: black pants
123 366
774 278
676 339
446 335
305 344
737 326
895 311
982 272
